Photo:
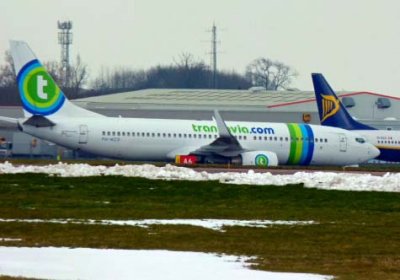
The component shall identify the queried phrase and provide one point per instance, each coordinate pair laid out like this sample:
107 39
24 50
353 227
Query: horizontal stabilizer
39 121
7 123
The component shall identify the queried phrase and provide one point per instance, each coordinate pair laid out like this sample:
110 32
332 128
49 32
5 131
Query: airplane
49 115
332 113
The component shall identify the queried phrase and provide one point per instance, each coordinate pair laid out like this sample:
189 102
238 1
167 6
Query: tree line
184 72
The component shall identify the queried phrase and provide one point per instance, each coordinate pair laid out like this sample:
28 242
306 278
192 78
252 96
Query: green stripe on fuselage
299 146
293 143
296 145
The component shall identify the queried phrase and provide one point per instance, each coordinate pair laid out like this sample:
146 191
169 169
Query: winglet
222 128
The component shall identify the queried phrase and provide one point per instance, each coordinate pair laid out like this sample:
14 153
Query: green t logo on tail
40 95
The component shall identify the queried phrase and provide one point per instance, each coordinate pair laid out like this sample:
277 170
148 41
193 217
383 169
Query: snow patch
84 263
214 224
5 239
390 182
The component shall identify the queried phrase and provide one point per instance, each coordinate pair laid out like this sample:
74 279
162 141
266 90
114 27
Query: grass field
357 235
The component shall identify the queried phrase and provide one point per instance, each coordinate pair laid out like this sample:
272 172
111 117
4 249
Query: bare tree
119 78
54 69
272 75
78 75
185 61
189 71
7 72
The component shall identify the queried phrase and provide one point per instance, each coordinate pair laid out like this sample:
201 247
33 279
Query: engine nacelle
259 158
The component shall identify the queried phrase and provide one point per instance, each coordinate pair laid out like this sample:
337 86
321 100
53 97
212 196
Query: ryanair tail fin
39 93
330 108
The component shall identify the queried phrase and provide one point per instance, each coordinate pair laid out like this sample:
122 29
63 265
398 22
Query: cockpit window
360 140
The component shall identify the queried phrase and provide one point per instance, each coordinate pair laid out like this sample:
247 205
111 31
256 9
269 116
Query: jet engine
257 158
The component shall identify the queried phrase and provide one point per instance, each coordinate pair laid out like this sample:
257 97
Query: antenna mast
65 40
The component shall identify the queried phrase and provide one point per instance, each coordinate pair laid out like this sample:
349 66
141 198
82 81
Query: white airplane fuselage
49 115
387 141
163 139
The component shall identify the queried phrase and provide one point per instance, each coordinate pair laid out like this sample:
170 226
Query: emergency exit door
83 134
342 143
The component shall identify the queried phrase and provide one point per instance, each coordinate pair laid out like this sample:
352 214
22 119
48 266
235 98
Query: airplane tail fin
39 93
330 108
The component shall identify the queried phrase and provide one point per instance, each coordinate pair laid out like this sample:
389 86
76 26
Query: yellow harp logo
330 106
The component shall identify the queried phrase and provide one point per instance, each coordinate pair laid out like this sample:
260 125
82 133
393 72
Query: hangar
255 104
381 111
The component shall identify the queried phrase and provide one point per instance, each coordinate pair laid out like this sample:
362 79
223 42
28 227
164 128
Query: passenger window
174 135
143 134
245 137
164 135
104 133
184 135
119 133
326 140
108 133
194 135
169 135
255 137
180 135
113 133
286 139
260 138
281 139
159 134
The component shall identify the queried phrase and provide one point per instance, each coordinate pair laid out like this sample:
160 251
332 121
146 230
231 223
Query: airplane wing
8 123
226 148
226 145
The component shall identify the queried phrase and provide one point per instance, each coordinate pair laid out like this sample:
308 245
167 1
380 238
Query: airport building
380 111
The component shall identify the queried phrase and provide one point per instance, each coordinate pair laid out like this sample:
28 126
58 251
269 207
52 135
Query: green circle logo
39 93
261 160
43 91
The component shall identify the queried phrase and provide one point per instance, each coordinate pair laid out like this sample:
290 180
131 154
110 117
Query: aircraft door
342 143
83 134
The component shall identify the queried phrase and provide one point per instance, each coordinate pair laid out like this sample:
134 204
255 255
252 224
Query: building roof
340 94
208 99
201 97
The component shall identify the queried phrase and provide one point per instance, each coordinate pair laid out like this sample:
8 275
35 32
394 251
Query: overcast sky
355 43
